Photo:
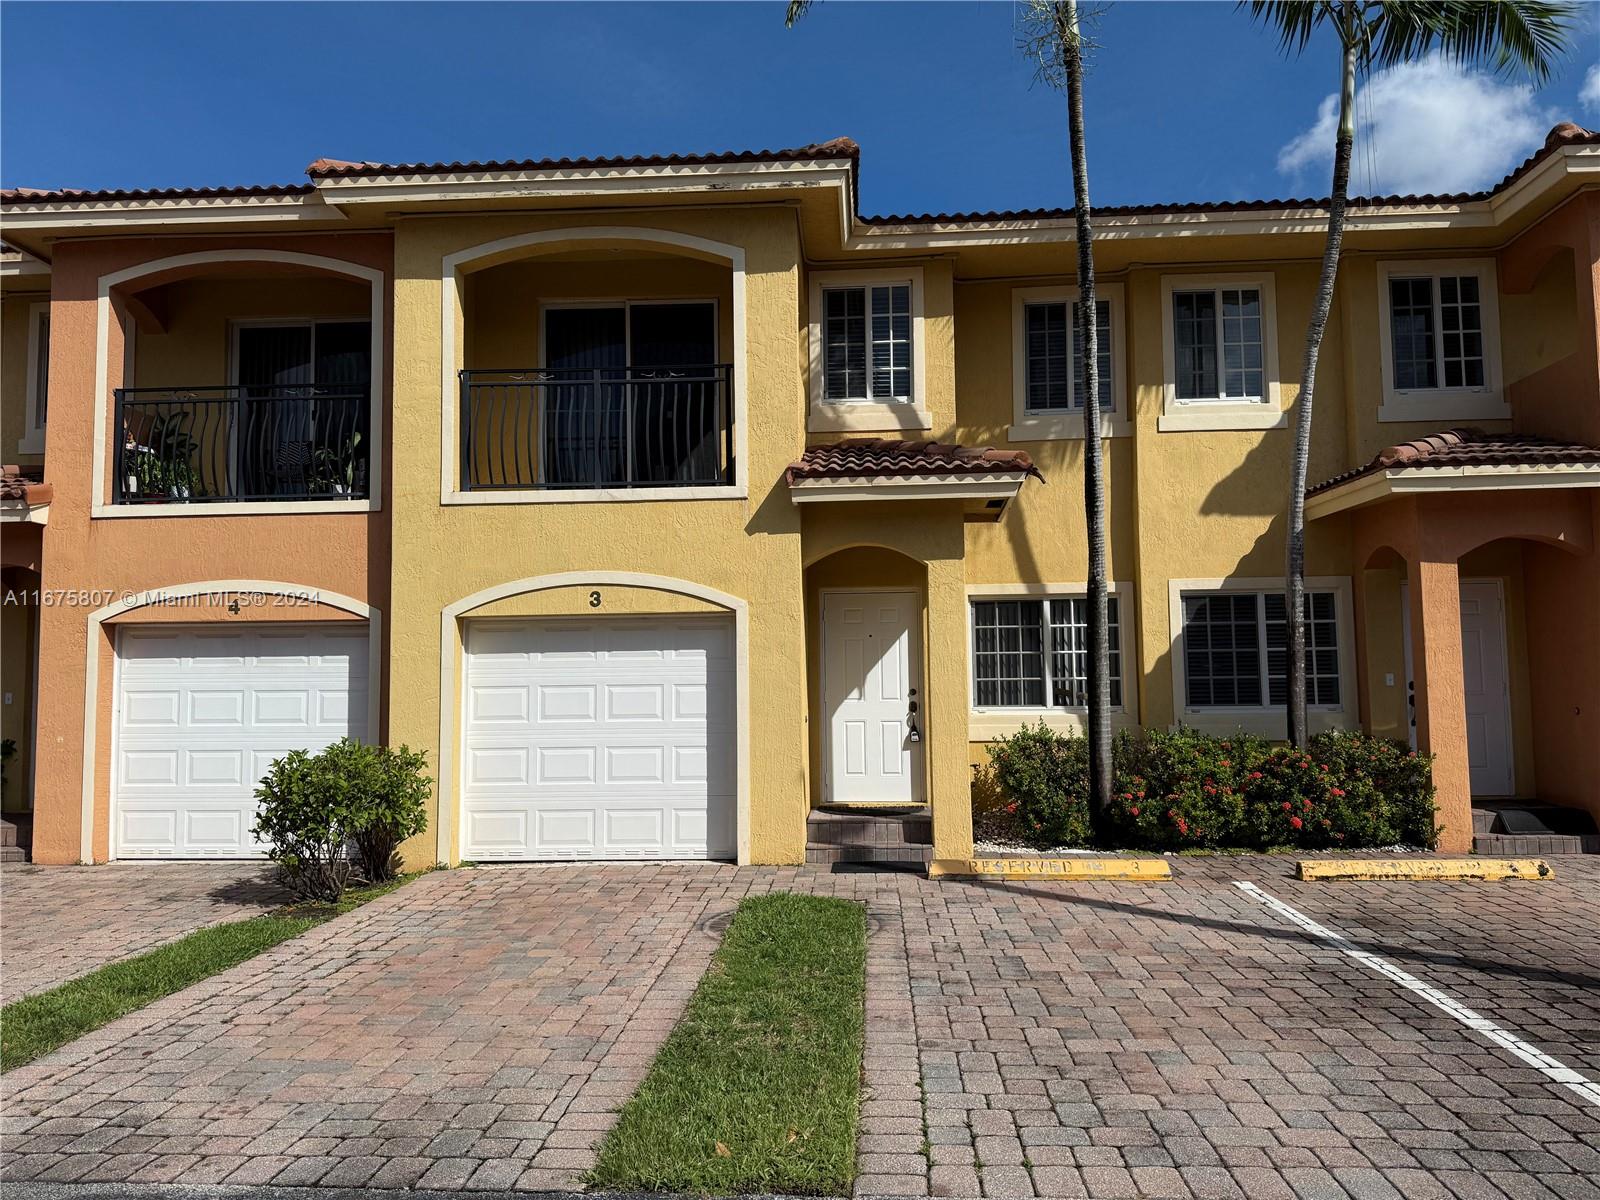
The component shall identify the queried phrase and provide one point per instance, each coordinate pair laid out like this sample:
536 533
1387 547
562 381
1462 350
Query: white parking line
1551 1068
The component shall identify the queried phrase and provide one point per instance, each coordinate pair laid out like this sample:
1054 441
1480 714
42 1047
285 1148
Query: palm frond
1294 20
1525 36
797 9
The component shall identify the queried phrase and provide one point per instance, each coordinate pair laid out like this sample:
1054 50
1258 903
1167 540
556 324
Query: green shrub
1181 790
1043 780
393 807
316 808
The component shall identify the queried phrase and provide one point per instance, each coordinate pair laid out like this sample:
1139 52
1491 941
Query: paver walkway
57 923
478 1028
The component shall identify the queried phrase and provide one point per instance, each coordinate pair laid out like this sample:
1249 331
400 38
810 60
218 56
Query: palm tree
1058 43
1504 34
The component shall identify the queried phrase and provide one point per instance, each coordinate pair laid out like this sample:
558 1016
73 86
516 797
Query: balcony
574 428
261 442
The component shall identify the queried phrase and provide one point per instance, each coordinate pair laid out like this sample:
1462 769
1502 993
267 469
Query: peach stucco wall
94 562
1561 578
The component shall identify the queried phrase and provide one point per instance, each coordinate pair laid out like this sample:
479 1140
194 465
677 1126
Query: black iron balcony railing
209 444
597 427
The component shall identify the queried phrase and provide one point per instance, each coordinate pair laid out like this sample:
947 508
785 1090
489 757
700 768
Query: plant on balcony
336 469
163 466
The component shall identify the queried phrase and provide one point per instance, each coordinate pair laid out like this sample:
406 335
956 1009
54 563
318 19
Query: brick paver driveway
478 1028
60 922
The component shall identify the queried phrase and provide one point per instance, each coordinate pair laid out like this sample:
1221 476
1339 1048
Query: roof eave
1375 487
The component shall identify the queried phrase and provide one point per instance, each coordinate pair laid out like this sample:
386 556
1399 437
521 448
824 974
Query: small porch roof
892 469
24 496
1458 460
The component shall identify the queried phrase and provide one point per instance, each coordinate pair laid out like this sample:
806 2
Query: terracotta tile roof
1470 448
27 195
326 168
1566 134
855 458
25 484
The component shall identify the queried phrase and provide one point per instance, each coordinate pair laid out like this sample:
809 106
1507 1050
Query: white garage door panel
599 739
201 714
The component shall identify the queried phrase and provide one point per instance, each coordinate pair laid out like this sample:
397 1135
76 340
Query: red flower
1255 774
1337 791
1307 804
1134 810
1296 822
1287 806
1226 763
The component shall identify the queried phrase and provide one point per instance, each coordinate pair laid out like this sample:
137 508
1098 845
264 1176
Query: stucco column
949 776
1441 710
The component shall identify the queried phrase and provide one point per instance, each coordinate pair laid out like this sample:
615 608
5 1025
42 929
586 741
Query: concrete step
863 827
1536 843
8 834
822 854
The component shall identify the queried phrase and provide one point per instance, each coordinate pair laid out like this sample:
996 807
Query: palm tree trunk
1296 555
1094 488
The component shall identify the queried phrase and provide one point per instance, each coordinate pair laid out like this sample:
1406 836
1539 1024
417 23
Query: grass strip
45 1021
758 1088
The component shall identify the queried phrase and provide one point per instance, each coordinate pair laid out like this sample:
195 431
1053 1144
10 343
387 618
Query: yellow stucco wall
747 547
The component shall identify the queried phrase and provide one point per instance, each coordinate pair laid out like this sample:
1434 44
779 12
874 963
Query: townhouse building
677 510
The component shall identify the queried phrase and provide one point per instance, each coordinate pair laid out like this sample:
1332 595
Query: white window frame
986 724
1221 412
1028 426
1263 720
1486 403
32 440
845 416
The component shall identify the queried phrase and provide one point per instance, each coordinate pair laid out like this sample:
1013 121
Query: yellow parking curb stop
1425 868
1069 869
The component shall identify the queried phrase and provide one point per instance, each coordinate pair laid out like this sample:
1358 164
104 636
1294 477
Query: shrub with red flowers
1042 778
1187 790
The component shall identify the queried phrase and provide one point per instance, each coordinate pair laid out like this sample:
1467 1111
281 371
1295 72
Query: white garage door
201 714
611 738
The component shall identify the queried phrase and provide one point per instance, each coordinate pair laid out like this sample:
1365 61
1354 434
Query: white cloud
1429 126
1589 93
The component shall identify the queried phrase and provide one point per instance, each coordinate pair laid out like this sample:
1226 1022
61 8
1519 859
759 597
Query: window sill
1066 427
987 724
31 443
241 508
1220 416
1269 723
1444 405
866 417
597 495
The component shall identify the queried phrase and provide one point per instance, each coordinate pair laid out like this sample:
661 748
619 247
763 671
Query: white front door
1484 684
869 673
202 711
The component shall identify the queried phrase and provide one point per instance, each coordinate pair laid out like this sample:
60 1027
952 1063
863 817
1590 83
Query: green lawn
758 1089
40 1023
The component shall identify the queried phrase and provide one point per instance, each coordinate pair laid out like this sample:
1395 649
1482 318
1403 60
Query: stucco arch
177 591
449 814
815 555
451 321
176 263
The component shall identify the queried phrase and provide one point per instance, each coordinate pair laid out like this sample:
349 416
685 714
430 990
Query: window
1027 649
1220 353
1436 332
867 343
1440 326
1051 342
38 393
1218 344
1235 649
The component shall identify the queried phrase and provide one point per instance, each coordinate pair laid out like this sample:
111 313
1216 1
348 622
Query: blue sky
1187 101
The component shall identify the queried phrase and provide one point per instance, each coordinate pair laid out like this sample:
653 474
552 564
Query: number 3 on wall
594 599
